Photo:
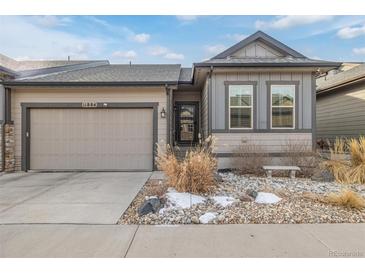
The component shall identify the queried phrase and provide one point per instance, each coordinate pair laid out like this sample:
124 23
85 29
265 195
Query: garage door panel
91 139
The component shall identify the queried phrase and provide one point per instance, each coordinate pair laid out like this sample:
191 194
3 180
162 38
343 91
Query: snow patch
182 199
266 198
207 217
224 200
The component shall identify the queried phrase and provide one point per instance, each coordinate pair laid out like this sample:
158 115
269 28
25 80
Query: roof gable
259 44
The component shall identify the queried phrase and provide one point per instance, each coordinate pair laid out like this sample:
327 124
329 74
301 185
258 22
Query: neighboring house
96 116
341 103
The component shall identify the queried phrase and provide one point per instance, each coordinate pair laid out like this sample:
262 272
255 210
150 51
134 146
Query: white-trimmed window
240 106
282 106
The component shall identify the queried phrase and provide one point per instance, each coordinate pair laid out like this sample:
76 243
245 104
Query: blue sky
175 39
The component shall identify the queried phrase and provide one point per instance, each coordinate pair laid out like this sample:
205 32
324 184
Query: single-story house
101 116
341 103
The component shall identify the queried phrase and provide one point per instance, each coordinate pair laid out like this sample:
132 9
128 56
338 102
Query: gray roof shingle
185 75
112 73
340 78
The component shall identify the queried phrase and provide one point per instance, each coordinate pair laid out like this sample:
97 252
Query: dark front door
187 122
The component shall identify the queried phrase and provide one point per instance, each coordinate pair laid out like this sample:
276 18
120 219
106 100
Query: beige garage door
91 139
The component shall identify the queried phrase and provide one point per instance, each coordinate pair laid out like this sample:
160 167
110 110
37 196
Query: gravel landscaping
245 199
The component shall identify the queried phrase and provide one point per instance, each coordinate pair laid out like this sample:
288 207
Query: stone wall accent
9 147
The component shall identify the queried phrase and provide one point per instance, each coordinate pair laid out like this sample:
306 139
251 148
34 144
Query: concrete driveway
67 198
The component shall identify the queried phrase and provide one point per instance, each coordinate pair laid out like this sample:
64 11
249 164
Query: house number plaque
89 104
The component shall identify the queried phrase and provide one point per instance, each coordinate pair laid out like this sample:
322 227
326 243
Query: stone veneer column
9 147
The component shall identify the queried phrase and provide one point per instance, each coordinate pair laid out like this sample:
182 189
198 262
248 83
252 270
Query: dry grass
300 153
347 171
251 157
346 198
195 173
157 188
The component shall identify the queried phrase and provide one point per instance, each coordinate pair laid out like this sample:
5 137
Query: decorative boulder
208 217
252 193
150 205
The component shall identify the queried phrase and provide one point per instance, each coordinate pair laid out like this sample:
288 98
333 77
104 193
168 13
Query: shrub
346 198
194 173
347 171
250 157
300 153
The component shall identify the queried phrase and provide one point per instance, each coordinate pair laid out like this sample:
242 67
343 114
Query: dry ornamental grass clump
347 171
346 198
195 173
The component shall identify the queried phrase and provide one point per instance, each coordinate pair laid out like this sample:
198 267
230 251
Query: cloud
359 51
174 56
289 21
187 18
215 49
236 36
129 54
23 37
158 50
141 37
51 21
351 32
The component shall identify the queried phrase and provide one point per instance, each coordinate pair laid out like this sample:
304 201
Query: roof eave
340 84
327 65
98 84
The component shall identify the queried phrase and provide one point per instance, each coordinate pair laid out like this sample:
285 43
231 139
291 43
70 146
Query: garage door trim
26 107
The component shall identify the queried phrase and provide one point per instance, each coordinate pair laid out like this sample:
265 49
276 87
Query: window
282 106
240 106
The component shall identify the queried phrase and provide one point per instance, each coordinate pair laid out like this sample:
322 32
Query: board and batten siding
262 106
341 113
228 142
82 94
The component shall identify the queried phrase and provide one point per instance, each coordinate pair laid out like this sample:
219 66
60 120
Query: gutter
207 65
83 84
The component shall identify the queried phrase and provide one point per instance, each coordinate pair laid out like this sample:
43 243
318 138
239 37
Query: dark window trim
25 123
263 131
254 105
296 105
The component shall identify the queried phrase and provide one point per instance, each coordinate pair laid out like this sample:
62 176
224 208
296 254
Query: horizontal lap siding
61 95
270 142
342 113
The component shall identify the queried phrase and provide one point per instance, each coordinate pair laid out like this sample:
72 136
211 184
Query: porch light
163 113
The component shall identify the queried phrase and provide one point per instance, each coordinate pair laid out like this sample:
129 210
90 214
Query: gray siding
304 94
341 113
257 49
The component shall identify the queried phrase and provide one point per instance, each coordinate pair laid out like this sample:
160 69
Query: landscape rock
218 178
208 217
323 176
252 193
267 198
150 205
195 220
182 199
246 198
224 200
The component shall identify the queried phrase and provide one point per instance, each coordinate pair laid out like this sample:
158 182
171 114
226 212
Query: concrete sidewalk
317 240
